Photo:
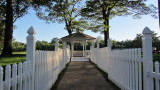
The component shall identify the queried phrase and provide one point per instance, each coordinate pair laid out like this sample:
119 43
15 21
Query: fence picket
14 76
28 75
157 75
8 77
133 68
140 69
136 69
127 55
24 75
20 76
126 75
124 67
1 78
39 71
151 76
130 60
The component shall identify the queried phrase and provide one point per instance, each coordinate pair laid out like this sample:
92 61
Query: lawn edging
105 75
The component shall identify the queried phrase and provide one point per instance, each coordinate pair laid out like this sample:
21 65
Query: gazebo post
72 49
92 44
85 49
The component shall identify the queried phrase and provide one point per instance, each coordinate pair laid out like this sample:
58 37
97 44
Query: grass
156 57
11 59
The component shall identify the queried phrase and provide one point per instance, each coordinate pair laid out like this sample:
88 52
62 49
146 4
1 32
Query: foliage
20 8
136 42
101 42
44 45
2 23
78 47
53 40
11 10
67 11
156 57
18 46
99 12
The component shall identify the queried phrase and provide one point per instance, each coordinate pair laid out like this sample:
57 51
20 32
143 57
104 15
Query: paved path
83 76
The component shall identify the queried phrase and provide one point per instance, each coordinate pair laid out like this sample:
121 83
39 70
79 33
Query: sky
121 28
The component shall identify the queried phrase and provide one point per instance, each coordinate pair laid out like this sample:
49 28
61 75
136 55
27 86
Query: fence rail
127 68
39 71
15 80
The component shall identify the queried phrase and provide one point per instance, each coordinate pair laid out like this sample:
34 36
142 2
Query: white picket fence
99 56
39 71
127 68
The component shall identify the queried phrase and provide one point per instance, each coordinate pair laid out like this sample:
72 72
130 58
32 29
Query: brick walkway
83 76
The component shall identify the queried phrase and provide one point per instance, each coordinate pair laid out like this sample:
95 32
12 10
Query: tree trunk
106 37
106 32
69 31
68 26
106 26
7 49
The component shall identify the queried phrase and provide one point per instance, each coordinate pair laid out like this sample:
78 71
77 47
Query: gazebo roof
78 35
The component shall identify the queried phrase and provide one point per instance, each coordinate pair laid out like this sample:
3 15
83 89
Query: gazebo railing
80 53
77 53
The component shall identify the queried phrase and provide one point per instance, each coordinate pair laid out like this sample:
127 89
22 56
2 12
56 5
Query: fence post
56 44
147 57
31 53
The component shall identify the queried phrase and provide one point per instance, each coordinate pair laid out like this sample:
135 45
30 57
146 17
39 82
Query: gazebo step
79 59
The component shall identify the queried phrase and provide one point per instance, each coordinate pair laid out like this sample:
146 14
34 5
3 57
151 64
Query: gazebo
81 38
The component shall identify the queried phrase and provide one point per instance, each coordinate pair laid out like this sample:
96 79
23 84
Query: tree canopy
99 12
67 11
11 10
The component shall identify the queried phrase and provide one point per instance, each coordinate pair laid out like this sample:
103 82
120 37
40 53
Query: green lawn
21 57
11 59
156 57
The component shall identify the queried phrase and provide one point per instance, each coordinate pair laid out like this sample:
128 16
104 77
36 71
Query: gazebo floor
79 59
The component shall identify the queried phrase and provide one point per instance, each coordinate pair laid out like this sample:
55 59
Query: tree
53 40
64 11
18 46
99 12
155 40
14 9
137 42
2 23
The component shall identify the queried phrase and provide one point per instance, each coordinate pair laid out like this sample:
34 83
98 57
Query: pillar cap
31 30
146 30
